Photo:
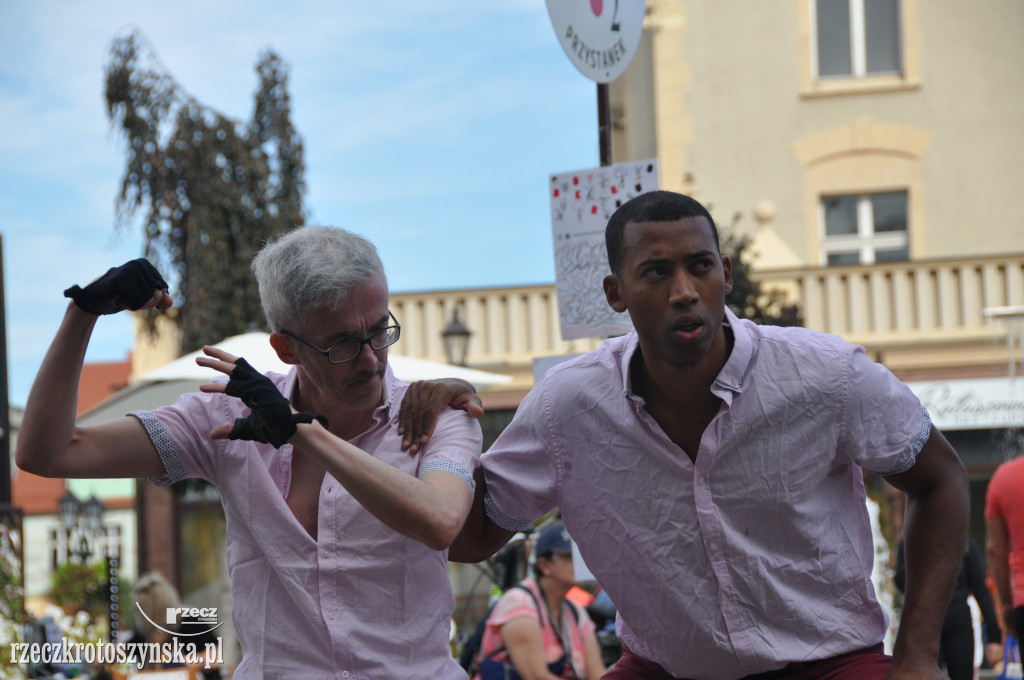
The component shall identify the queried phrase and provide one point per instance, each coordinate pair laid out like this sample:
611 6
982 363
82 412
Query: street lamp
68 508
84 519
456 339
92 510
81 520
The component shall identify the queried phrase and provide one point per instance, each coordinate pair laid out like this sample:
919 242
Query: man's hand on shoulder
424 400
134 285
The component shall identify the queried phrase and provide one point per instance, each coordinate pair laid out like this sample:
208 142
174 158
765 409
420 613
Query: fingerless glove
129 286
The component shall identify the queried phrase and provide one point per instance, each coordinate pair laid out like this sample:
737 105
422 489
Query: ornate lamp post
456 339
67 510
82 524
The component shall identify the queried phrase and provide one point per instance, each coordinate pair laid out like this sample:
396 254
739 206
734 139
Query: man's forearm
1001 578
431 513
480 537
936 531
48 424
998 547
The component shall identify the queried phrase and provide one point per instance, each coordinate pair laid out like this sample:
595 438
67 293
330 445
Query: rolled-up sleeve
181 434
454 447
521 468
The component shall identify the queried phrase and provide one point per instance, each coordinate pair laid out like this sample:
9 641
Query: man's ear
613 293
285 350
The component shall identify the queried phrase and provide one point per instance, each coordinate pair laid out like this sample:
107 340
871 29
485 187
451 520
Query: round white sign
600 36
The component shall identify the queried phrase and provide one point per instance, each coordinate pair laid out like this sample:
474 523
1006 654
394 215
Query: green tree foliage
208 190
80 586
746 299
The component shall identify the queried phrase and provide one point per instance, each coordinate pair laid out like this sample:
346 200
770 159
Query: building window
857 38
865 229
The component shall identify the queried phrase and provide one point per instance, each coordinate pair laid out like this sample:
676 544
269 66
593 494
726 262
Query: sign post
600 37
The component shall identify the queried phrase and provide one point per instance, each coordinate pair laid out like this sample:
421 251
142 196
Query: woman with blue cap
534 632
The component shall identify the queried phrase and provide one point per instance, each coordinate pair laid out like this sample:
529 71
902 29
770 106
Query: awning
163 385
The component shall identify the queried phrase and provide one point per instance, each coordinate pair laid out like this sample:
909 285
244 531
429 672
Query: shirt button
344 674
325 553
713 546
700 480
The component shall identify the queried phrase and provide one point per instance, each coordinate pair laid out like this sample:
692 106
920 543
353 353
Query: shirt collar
731 376
629 348
735 371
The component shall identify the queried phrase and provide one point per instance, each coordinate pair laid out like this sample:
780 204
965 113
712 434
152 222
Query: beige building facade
873 151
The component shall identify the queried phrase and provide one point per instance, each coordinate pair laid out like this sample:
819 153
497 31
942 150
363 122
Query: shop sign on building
978 404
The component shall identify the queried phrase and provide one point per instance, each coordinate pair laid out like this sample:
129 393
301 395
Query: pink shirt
361 601
761 552
517 603
1004 499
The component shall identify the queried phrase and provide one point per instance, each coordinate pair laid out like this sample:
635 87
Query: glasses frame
396 327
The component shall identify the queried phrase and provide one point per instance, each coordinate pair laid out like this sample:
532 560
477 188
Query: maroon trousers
868 664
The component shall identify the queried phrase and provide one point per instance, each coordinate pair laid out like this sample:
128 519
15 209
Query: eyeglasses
350 349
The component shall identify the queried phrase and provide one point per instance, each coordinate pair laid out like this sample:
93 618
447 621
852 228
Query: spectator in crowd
154 595
534 630
1004 520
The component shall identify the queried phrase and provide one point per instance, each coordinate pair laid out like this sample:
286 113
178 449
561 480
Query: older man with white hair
337 537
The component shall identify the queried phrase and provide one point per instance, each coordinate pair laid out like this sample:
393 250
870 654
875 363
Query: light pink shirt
361 601
517 603
761 552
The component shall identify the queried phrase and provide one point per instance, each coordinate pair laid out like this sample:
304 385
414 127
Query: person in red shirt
1004 520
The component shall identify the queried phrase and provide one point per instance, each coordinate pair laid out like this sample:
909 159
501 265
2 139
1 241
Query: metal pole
5 406
604 124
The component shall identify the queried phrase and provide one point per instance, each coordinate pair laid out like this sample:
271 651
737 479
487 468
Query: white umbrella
163 385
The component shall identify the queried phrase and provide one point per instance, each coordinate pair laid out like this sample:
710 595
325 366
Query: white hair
309 268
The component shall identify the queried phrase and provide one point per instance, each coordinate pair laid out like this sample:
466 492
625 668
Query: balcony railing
509 326
922 305
926 296
911 314
912 307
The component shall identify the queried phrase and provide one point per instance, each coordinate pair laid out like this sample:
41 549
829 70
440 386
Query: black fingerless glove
129 286
271 420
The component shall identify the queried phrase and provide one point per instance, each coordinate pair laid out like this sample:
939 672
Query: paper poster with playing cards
581 203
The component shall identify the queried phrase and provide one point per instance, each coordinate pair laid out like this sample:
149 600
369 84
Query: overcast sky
429 127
